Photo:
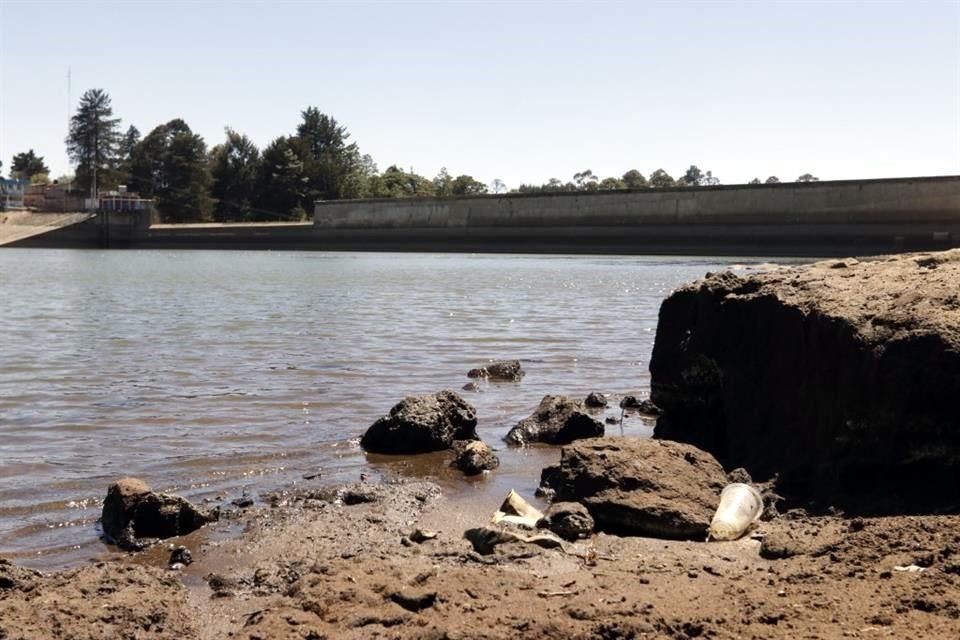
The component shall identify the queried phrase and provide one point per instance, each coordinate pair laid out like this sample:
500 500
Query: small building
123 200
11 194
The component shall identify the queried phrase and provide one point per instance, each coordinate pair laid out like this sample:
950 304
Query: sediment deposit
839 377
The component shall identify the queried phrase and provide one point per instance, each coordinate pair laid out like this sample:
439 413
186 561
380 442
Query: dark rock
612 420
569 520
640 486
414 602
181 555
646 407
558 420
471 386
500 371
843 381
475 457
420 424
243 502
134 517
595 401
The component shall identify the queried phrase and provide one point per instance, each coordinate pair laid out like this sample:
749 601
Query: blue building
11 194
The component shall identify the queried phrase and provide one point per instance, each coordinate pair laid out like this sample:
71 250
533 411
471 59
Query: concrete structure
805 219
816 218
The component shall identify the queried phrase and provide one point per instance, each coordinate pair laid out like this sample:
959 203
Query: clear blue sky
517 91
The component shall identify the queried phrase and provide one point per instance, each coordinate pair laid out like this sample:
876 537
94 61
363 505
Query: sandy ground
329 564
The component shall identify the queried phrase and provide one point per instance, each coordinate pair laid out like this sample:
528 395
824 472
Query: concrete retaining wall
799 218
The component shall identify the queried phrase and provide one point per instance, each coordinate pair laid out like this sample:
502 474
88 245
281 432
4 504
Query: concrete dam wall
820 218
803 219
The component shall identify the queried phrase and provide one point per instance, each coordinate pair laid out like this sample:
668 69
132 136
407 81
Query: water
213 373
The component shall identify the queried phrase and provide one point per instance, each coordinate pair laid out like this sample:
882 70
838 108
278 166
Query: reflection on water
211 373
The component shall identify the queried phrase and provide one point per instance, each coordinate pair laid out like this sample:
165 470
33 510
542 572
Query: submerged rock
135 517
500 371
595 401
557 420
842 381
639 486
475 457
420 424
645 406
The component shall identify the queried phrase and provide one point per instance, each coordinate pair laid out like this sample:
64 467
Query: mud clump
134 517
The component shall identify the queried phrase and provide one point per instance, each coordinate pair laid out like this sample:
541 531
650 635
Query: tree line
236 181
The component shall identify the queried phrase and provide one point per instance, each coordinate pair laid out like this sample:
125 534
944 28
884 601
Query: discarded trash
910 568
485 539
740 506
516 510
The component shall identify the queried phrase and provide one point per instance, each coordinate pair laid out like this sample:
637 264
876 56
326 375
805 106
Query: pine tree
93 138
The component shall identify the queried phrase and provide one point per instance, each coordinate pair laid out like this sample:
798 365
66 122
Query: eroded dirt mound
106 600
841 377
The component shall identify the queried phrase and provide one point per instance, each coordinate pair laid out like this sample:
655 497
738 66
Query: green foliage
234 168
93 139
755 181
772 180
465 185
125 149
396 183
26 165
585 180
660 179
170 165
633 179
693 177
282 181
807 177
610 184
330 161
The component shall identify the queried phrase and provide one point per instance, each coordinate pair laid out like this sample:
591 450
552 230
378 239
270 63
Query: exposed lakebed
216 373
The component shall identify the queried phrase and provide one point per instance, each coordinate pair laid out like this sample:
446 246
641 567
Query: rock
640 486
134 517
181 555
569 520
475 457
500 371
646 407
842 380
471 386
558 420
243 502
612 420
420 424
595 401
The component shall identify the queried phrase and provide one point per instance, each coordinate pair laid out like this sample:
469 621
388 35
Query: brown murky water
218 373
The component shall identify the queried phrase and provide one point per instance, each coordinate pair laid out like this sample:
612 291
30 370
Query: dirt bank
329 564
841 377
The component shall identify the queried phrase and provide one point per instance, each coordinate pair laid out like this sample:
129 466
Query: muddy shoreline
309 565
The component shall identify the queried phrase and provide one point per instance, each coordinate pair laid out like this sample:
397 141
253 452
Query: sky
517 91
